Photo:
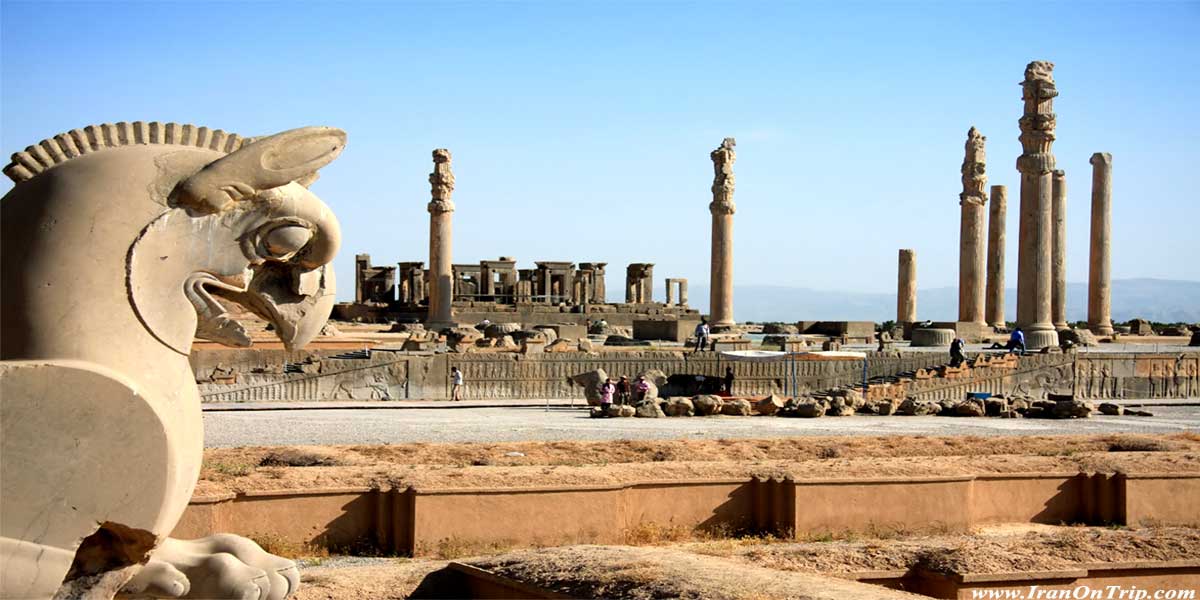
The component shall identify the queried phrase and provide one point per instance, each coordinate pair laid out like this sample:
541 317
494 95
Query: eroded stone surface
149 223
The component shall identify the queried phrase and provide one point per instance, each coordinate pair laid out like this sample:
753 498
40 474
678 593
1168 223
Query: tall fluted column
1099 267
994 308
971 256
906 287
722 209
1058 215
1036 164
441 237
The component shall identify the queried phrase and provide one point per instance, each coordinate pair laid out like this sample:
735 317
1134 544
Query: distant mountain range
1161 300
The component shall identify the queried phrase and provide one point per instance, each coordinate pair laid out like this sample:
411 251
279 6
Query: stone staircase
1030 375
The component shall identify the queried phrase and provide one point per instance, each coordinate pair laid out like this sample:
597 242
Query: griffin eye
284 241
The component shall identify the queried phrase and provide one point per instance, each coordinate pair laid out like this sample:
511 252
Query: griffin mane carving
118 240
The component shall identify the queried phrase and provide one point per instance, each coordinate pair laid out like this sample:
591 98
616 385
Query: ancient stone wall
1102 375
278 375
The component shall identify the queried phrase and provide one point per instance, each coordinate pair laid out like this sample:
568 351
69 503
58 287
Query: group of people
621 392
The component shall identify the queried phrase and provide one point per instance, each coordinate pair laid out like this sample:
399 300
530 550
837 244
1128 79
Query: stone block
770 405
707 405
671 330
736 408
678 407
932 338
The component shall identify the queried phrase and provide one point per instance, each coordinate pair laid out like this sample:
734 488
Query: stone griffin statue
118 239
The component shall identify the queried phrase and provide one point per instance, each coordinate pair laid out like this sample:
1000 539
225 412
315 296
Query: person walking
729 380
702 332
456 384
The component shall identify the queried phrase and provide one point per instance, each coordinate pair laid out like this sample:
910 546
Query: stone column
631 280
670 291
722 209
1036 165
971 256
994 307
1058 251
487 285
1099 267
646 285
683 298
441 207
599 290
362 262
906 287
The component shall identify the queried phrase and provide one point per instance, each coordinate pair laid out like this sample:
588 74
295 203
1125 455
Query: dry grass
280 546
454 548
1139 444
500 465
292 457
228 469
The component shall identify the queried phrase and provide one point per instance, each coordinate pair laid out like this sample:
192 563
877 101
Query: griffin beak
296 301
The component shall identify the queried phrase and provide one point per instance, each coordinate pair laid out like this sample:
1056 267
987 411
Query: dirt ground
763 568
527 464
1036 548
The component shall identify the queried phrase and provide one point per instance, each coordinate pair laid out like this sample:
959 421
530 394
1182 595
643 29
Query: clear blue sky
581 131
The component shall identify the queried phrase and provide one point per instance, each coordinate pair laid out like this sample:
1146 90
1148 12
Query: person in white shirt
701 335
456 379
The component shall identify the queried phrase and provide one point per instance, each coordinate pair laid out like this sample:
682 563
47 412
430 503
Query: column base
722 327
1036 340
440 325
1101 328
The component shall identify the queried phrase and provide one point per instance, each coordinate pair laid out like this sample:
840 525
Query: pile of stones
847 402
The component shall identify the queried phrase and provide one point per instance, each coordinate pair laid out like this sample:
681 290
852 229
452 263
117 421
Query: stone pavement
526 423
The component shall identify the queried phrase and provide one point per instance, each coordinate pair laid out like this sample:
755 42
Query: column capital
974 170
723 180
441 182
1101 158
1038 121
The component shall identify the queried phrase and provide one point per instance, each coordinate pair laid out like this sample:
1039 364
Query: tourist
606 394
956 352
642 387
1016 341
456 379
623 390
701 335
729 380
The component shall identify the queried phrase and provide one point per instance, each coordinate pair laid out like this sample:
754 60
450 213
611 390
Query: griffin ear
265 163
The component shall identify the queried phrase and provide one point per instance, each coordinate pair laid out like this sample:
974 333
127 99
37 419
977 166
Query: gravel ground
351 426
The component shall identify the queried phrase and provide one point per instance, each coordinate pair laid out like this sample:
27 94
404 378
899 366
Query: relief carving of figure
121 244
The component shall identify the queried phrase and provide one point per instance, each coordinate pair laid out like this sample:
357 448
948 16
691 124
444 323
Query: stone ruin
1041 268
1039 386
498 290
121 244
